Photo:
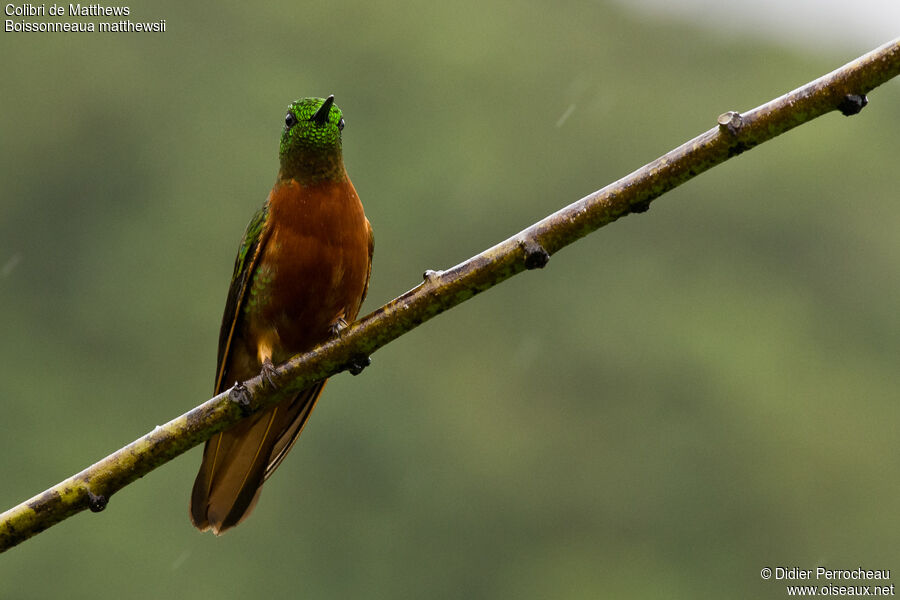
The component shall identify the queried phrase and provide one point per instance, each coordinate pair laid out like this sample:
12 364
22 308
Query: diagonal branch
844 89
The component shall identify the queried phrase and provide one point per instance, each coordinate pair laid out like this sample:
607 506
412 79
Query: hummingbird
301 273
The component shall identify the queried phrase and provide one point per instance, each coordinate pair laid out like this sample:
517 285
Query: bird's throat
312 167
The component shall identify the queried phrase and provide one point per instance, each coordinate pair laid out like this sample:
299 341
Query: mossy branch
843 90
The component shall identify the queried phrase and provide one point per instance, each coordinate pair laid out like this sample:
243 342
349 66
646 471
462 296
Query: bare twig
844 90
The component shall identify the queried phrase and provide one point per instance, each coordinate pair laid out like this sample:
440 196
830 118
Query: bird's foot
338 326
268 373
358 363
240 395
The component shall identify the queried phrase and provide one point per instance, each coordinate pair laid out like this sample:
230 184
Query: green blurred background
677 401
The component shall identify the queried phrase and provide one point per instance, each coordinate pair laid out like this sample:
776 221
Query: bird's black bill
321 116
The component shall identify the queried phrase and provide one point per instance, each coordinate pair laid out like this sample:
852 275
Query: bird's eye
341 125
290 120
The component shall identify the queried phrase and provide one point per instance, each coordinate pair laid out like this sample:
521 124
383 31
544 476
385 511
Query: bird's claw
268 373
338 326
240 395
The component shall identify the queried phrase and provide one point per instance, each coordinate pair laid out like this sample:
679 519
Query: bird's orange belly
305 283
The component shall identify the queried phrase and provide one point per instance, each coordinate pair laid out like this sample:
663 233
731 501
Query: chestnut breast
313 269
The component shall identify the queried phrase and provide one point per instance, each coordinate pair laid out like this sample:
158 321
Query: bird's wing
244 264
297 413
214 469
371 253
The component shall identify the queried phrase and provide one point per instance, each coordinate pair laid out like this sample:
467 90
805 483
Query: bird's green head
311 141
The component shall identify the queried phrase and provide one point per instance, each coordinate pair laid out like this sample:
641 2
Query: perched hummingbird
300 276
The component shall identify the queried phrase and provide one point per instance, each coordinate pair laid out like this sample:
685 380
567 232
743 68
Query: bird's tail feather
237 462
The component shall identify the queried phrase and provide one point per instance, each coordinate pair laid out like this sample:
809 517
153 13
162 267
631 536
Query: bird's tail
238 461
